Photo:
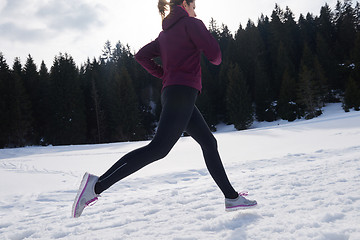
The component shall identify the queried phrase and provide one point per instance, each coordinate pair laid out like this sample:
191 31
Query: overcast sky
44 28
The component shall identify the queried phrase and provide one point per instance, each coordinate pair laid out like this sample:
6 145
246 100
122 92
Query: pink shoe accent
242 204
77 203
92 201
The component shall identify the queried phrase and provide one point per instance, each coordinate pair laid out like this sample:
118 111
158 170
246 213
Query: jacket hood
174 16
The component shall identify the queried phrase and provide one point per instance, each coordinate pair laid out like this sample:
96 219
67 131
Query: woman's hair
163 5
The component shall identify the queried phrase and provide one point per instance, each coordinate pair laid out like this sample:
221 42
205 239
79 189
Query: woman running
179 46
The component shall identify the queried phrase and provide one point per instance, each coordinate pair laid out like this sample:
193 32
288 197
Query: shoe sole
81 190
241 207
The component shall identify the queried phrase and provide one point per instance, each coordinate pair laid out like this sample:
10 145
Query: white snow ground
305 176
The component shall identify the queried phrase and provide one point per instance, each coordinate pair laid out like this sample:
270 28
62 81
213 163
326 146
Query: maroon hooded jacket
179 46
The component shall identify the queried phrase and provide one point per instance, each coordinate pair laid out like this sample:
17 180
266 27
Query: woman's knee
159 151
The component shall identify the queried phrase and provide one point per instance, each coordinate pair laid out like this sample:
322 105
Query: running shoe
86 195
239 203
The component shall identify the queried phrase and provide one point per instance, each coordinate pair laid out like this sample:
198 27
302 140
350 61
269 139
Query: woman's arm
204 41
145 56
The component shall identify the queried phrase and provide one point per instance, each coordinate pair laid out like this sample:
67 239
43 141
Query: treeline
278 69
285 69
106 100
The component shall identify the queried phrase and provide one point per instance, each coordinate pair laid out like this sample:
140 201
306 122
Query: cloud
30 20
10 5
70 15
3 3
13 32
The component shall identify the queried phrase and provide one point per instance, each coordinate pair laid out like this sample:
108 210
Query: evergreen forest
278 68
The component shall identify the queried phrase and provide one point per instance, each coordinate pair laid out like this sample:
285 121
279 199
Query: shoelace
243 194
92 201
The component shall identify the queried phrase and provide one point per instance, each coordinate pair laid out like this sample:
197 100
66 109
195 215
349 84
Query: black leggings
179 114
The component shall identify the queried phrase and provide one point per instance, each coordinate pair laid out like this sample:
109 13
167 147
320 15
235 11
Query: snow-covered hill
305 176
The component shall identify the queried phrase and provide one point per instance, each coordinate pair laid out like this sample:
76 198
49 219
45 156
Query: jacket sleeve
145 57
204 41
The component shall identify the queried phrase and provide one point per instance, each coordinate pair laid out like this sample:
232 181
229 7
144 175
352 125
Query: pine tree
32 86
264 28
284 63
17 67
264 96
265 81
325 44
207 100
68 125
214 29
148 90
283 36
223 83
352 96
276 48
328 62
44 105
357 16
325 25
239 104
309 87
107 52
292 38
307 93
5 79
144 86
322 81
220 82
287 107
18 113
126 107
308 30
99 114
90 75
345 29
107 73
356 59
249 48
225 39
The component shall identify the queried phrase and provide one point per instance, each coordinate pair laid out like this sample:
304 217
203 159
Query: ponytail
163 5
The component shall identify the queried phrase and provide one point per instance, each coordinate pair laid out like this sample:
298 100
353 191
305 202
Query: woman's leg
177 107
199 130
